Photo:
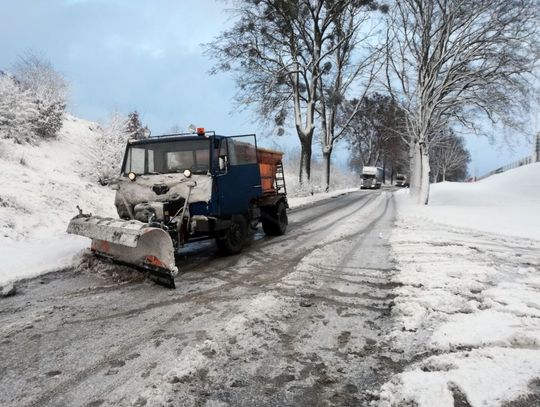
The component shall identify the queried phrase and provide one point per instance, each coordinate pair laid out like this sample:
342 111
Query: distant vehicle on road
371 177
401 180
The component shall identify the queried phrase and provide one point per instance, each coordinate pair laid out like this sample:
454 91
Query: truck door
241 181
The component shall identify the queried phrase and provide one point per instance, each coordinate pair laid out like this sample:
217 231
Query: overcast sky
146 55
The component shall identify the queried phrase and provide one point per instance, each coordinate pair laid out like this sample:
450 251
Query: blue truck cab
203 186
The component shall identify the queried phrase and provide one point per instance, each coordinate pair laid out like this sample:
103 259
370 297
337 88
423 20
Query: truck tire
234 238
274 220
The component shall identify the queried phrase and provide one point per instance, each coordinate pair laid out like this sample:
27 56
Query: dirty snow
467 316
295 202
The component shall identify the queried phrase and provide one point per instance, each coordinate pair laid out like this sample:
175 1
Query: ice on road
293 320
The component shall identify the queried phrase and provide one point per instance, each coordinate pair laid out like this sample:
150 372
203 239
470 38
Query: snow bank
506 203
41 187
467 308
298 201
505 375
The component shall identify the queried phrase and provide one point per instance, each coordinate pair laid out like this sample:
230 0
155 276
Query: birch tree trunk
423 195
304 173
416 171
411 161
327 165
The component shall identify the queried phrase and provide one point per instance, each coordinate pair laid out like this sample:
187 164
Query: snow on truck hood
140 190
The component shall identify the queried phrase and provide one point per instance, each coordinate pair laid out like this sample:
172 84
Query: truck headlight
187 173
132 176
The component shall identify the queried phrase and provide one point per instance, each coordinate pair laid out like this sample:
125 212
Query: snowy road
293 320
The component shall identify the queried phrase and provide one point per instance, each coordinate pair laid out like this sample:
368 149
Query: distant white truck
371 177
401 180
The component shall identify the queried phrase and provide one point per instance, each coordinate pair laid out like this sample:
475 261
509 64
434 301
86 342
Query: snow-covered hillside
41 185
466 314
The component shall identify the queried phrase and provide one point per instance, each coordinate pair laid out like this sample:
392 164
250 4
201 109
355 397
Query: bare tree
279 51
449 158
275 47
175 128
134 127
353 64
450 60
376 134
105 154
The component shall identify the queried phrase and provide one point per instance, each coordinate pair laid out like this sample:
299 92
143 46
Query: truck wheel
274 220
233 240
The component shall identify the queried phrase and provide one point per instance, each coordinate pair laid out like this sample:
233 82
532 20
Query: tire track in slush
313 366
277 261
263 275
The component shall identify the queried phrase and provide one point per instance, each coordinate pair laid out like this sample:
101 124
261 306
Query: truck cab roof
173 137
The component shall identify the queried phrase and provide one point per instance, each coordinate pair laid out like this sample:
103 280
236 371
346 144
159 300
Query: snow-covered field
468 310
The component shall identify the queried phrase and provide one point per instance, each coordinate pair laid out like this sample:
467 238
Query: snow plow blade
130 242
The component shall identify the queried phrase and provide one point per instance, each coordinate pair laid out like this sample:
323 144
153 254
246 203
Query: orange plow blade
131 242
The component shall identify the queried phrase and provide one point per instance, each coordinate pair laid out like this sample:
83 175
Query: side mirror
223 162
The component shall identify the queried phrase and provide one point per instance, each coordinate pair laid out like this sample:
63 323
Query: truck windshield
368 176
168 157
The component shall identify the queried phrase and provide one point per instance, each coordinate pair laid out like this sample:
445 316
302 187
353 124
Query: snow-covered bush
105 155
18 111
32 101
49 90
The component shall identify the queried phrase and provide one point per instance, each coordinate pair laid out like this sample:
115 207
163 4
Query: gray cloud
145 55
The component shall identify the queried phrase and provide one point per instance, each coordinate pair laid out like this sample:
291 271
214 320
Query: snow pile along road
41 186
468 309
506 203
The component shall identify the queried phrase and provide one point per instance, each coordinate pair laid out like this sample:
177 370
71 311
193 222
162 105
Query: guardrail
524 161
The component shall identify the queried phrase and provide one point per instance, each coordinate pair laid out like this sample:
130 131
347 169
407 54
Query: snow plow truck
181 187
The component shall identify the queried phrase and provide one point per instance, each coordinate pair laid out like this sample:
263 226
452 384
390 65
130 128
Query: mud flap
130 242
